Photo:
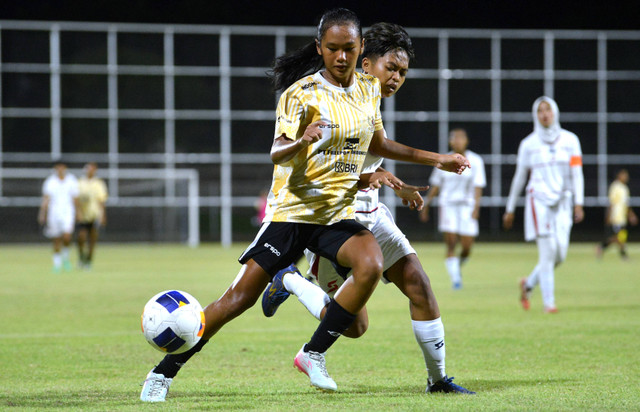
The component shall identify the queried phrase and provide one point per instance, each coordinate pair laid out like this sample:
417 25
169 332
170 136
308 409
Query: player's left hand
378 179
411 196
578 214
455 163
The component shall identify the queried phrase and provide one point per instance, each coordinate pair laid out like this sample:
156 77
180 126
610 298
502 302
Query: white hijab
551 133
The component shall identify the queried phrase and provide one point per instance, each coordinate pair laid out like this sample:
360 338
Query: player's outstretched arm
383 147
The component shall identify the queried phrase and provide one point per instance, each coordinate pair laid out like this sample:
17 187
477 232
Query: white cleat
155 387
313 365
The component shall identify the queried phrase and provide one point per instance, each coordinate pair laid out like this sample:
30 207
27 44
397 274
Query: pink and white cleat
313 365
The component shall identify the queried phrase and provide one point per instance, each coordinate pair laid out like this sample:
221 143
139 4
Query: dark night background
147 136
616 15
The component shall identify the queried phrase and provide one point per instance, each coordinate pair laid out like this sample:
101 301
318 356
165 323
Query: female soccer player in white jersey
58 212
551 158
325 124
459 204
386 55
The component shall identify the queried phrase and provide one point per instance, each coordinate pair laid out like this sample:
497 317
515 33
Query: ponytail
294 65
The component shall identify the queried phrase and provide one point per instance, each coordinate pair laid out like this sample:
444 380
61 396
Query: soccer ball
173 321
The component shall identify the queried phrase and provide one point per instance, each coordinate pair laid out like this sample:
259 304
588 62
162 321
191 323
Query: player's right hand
455 163
312 133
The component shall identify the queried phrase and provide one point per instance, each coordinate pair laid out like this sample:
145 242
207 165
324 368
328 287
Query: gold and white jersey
619 202
91 194
320 183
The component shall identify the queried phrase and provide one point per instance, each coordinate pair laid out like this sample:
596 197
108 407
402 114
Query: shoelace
319 360
157 385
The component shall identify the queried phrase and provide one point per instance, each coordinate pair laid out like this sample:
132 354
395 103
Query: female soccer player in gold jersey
326 122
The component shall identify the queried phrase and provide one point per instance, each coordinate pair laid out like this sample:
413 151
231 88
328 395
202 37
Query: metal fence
168 97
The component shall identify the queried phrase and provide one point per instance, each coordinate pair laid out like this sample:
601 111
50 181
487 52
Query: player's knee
370 269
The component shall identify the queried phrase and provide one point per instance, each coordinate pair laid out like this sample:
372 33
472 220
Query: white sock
547 252
453 267
310 295
65 253
430 336
532 279
57 260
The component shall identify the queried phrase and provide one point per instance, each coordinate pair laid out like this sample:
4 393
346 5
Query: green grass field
73 341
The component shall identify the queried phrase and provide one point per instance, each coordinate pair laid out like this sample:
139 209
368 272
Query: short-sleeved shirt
460 189
550 166
619 202
320 183
61 193
92 193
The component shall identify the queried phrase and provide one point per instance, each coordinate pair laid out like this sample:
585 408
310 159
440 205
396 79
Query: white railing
171 161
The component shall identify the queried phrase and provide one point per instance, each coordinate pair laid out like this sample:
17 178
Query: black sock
171 364
336 320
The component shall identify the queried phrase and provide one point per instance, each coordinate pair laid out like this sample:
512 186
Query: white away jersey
460 189
549 165
61 193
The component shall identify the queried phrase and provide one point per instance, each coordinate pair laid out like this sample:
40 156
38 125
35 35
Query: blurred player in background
459 204
92 197
58 213
551 159
327 118
618 215
387 53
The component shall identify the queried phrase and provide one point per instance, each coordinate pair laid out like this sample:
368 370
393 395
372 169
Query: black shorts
87 225
278 244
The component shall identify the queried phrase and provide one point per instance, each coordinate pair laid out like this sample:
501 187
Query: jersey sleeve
289 114
46 187
577 177
436 177
479 178
519 178
74 190
103 193
378 125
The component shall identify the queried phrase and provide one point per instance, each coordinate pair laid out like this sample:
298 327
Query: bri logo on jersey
342 167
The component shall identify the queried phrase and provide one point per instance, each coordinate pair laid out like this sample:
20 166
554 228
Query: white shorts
58 224
393 243
543 220
457 219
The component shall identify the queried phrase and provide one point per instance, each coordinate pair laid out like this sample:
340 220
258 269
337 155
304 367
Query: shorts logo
272 249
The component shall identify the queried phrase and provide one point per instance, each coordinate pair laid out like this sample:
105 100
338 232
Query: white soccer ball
173 321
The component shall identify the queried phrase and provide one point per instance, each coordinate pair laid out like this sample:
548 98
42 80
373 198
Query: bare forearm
397 151
284 150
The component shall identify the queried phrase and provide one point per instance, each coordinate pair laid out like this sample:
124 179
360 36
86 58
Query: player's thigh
392 241
362 253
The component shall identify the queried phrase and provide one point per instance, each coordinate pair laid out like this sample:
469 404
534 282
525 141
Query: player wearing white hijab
551 157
